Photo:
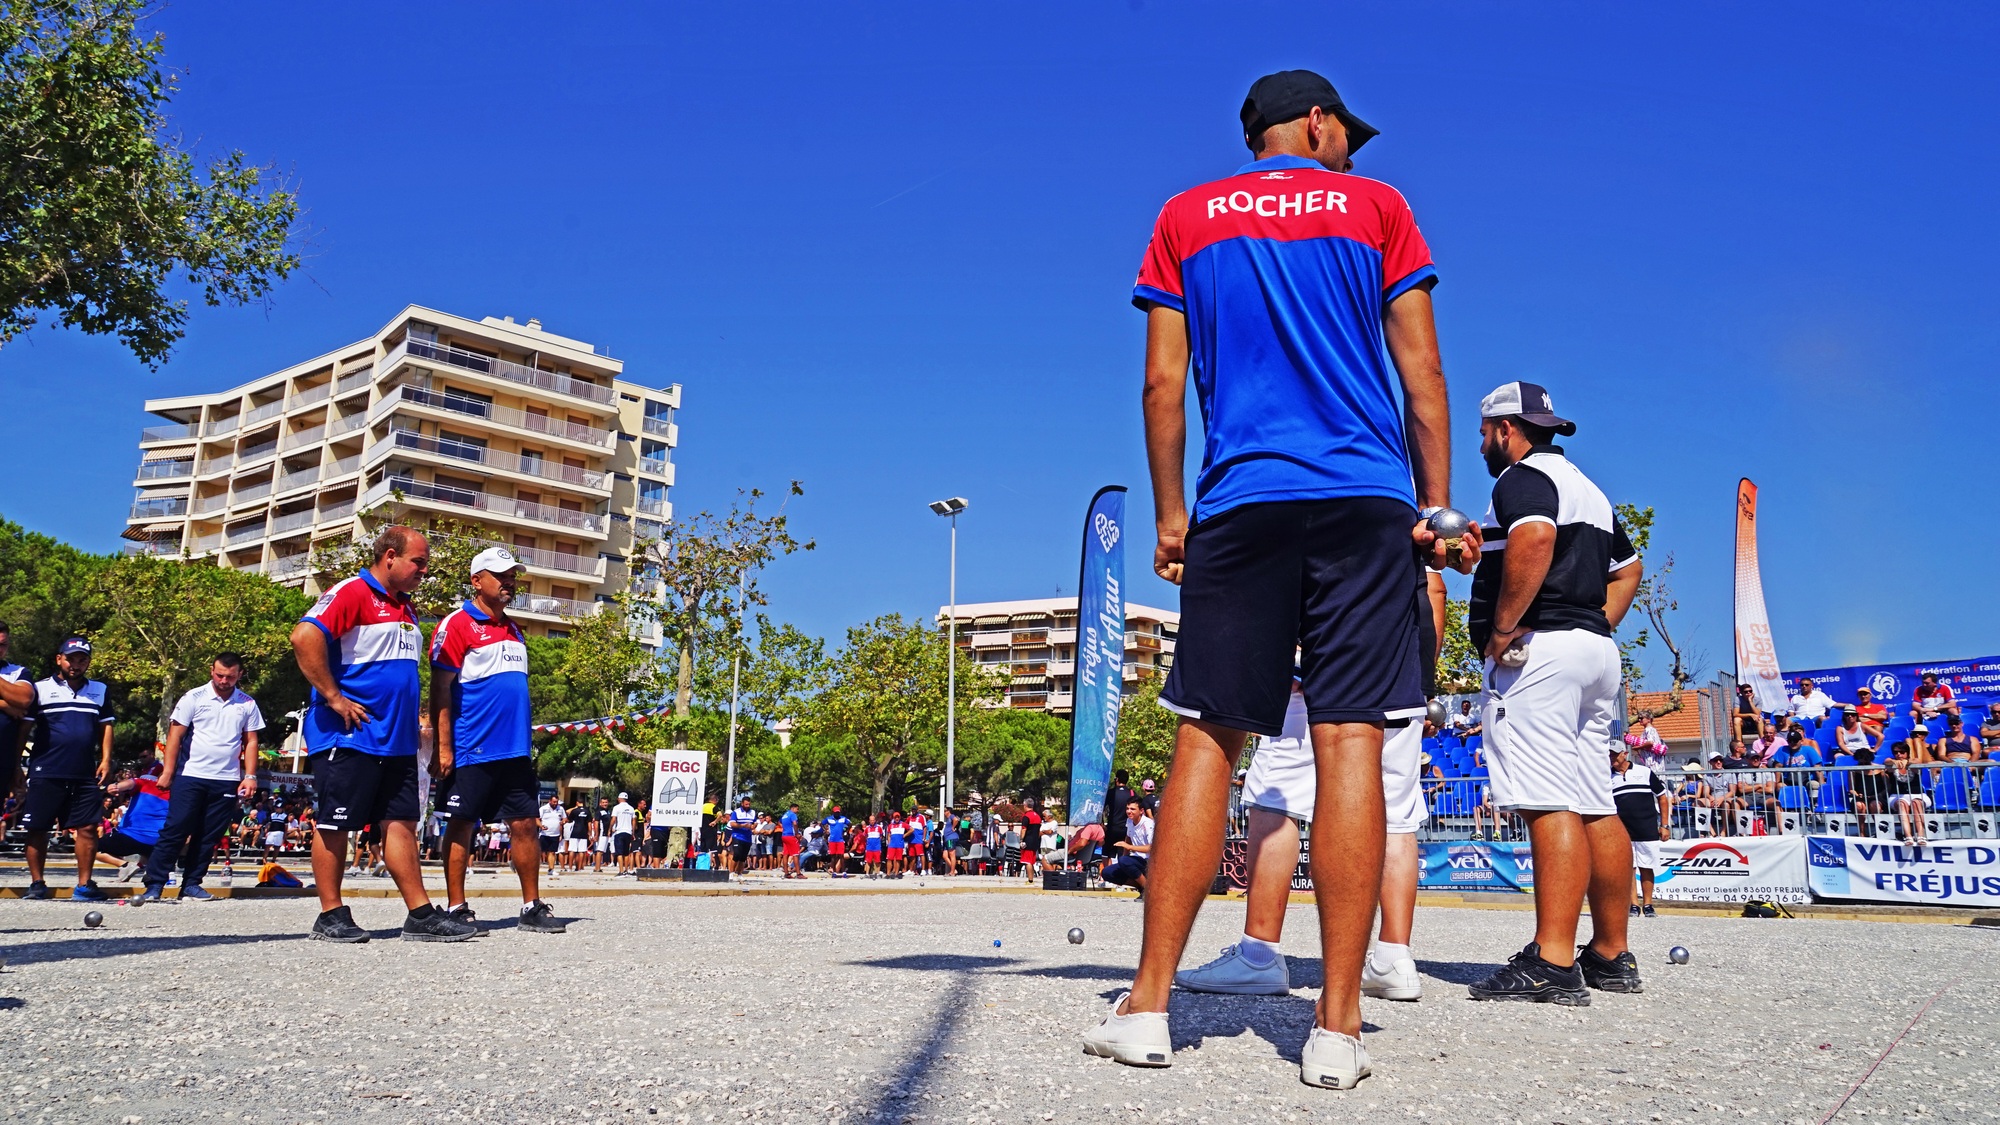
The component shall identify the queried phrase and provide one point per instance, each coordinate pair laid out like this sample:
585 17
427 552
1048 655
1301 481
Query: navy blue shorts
55 803
1338 579
353 790
487 791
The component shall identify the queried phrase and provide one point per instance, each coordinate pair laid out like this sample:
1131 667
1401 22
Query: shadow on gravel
963 963
905 1082
1458 972
1307 972
1281 1021
9 1002
70 949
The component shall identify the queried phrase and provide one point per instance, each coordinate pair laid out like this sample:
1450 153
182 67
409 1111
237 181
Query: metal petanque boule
1435 712
1076 935
93 919
1679 955
1450 525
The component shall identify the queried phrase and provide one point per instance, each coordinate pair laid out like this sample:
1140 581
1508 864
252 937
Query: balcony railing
564 561
293 522
501 369
340 427
154 547
239 535
658 427
221 426
203 544
208 505
309 396
652 507
338 512
499 415
507 462
246 495
299 479
262 449
549 606
159 508
353 381
655 466
503 506
342 467
168 433
268 410
213 465
302 438
166 470
291 566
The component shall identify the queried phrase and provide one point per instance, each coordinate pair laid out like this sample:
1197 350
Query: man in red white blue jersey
1298 296
483 761
358 647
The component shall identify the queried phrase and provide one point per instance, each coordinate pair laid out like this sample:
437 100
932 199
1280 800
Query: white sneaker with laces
1135 1039
1230 973
1399 982
1332 1060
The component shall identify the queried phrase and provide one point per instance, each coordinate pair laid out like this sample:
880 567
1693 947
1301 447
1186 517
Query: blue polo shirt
373 645
10 727
489 697
67 745
1283 271
836 829
741 820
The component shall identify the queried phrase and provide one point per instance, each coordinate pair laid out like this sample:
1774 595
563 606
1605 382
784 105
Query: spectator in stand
1129 869
1874 716
1749 720
1852 737
1738 757
1693 792
1465 721
1811 702
1932 701
1989 729
1758 790
1868 791
1641 797
1907 798
1957 746
1721 799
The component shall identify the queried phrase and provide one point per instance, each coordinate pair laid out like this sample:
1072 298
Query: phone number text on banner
1961 873
1739 869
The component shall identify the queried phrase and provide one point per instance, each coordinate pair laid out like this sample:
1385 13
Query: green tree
1145 732
1460 666
45 593
165 620
1003 750
100 207
1656 602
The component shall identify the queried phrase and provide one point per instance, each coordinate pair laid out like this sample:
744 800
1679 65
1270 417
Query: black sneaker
1527 977
338 925
38 890
1609 974
1635 910
541 919
463 913
1647 910
437 926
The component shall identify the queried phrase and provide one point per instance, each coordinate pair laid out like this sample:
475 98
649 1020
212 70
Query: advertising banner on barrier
1959 873
679 777
1974 680
1100 655
1738 869
1476 866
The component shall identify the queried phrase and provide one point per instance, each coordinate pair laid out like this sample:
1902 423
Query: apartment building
537 437
1035 642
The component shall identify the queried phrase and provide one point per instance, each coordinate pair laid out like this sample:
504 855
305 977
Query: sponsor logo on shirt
1278 206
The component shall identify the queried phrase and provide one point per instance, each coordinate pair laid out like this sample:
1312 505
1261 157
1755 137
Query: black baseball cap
1280 97
1529 402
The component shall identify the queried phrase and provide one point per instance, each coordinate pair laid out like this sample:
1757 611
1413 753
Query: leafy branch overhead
101 209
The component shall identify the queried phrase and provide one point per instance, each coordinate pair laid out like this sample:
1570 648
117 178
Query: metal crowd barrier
1960 801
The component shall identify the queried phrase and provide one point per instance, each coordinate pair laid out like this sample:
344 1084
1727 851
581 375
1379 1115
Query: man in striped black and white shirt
1556 576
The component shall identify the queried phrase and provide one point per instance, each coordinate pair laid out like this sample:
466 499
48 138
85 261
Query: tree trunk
683 696
168 697
881 786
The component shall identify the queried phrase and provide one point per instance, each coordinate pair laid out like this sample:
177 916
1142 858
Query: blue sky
888 249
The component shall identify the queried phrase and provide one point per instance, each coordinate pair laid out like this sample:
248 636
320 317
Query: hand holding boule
1459 536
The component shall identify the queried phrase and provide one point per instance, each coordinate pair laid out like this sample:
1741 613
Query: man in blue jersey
358 647
1281 287
837 831
66 773
210 769
742 818
138 831
482 759
788 840
17 694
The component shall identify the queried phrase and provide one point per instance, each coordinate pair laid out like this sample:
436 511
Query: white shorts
1548 724
577 847
274 839
1284 779
1645 855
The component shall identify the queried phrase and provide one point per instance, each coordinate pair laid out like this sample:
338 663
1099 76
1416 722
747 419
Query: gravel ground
898 1008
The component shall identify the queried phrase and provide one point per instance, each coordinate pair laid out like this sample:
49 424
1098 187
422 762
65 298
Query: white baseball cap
499 560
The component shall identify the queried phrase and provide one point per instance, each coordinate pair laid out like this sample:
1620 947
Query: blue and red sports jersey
373 645
836 829
1283 271
146 814
896 834
489 699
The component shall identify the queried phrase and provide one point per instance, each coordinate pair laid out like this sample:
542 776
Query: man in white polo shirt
217 724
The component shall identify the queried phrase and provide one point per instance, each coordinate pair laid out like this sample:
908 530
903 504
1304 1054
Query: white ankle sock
1258 952
1384 955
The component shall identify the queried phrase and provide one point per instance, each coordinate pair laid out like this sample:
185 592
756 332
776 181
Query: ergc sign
678 780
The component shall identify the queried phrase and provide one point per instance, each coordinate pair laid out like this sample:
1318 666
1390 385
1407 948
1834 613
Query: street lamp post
735 680
951 508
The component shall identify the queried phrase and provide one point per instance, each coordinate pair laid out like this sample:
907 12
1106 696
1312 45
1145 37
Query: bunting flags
602 722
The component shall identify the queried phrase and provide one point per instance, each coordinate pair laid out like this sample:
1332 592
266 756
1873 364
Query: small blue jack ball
996 943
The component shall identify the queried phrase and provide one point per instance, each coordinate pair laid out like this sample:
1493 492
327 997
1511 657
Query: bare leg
399 855
1399 888
1186 852
1610 880
329 861
1273 856
1562 876
38 854
527 856
1349 838
457 855
86 853
1646 887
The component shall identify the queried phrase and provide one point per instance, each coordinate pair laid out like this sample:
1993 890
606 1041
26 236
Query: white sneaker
1400 982
1136 1039
1232 974
128 869
1332 1060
